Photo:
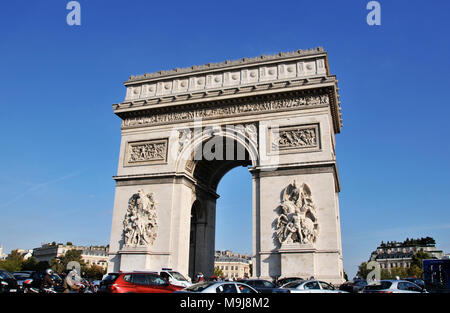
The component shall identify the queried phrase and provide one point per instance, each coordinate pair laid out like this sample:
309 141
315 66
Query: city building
91 255
232 266
26 254
400 254
2 255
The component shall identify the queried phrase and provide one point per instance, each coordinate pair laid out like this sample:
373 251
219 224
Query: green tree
9 266
218 272
57 265
60 264
385 274
416 268
43 265
30 264
363 271
416 271
345 276
13 262
94 272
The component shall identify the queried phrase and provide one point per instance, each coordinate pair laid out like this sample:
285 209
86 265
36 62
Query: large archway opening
234 223
210 209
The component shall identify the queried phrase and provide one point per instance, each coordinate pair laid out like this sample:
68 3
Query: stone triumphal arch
184 129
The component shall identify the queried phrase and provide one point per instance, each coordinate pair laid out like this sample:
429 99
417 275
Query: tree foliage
13 262
30 264
218 272
415 269
94 272
425 241
363 271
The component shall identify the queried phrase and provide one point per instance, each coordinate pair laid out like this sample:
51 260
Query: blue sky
60 138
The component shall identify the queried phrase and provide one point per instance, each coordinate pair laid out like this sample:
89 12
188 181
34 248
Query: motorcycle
86 286
28 288
83 286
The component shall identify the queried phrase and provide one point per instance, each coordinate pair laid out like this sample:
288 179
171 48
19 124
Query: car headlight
4 283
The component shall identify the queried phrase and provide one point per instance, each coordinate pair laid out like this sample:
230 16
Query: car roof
290 277
392 281
135 272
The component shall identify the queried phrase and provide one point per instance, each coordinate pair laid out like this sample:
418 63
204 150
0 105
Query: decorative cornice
223 65
248 77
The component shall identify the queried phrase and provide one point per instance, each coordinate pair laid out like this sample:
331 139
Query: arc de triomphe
184 129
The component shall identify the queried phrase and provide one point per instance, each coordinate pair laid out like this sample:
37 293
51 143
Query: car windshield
382 285
21 276
178 276
111 277
293 284
199 287
5 274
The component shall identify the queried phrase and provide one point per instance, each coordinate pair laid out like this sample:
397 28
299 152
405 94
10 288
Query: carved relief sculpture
297 222
223 111
140 225
146 152
299 137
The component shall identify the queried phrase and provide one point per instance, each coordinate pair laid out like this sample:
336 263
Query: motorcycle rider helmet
49 271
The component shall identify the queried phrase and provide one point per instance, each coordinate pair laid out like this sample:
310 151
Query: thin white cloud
37 187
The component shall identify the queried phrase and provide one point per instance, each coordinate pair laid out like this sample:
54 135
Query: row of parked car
406 285
169 281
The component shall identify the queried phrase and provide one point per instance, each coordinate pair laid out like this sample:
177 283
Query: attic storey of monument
182 130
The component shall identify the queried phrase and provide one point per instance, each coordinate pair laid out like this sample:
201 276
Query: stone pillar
322 258
171 246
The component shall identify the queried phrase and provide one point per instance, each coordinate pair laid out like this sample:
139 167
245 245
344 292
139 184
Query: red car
136 282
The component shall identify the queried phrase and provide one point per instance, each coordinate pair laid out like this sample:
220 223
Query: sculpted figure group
140 225
297 222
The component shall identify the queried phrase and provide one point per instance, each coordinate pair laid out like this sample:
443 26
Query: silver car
218 287
393 286
310 286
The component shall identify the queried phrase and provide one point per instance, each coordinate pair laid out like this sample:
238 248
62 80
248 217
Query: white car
310 286
174 277
218 287
393 286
